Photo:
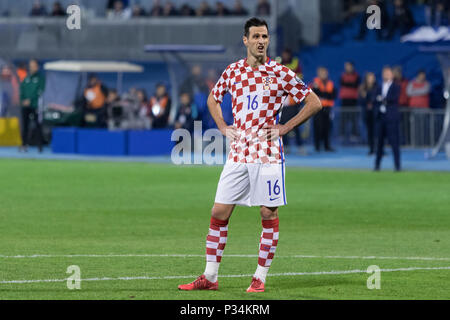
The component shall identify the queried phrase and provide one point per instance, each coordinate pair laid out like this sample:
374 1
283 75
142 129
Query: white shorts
252 184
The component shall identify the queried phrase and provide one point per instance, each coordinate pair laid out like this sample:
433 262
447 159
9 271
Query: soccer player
254 172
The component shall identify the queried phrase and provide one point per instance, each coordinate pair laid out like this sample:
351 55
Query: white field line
227 276
202 255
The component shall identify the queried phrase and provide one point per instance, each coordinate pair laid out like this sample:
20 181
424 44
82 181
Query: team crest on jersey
267 82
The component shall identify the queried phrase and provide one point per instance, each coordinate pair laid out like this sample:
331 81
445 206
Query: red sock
216 239
268 242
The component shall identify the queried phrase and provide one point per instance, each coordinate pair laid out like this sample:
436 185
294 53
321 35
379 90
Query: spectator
403 100
187 10
31 89
349 82
22 71
143 110
437 12
238 9
157 9
211 78
363 22
291 62
348 94
204 9
114 109
418 91
290 108
119 11
325 90
221 10
130 107
402 19
137 11
352 7
38 9
95 94
57 10
9 89
194 83
159 107
367 96
169 9
263 8
387 118
186 114
110 5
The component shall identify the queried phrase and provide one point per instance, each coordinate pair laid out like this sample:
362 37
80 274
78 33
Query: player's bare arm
312 106
216 112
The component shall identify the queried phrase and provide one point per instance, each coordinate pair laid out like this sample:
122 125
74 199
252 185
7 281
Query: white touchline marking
202 255
227 276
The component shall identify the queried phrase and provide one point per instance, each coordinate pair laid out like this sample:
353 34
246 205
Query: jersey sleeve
294 86
222 86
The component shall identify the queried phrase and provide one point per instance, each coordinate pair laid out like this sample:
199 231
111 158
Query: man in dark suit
388 118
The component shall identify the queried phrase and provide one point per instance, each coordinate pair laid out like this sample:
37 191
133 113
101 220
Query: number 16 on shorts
271 185
274 190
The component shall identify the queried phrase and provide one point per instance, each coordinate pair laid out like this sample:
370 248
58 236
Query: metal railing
419 128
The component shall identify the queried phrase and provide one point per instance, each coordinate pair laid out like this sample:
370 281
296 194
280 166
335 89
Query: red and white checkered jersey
257 97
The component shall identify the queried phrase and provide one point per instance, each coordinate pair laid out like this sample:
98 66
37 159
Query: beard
258 54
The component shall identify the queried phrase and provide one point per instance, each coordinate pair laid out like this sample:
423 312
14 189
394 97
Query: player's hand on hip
230 132
274 132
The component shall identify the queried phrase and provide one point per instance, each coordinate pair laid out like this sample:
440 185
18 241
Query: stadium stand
106 39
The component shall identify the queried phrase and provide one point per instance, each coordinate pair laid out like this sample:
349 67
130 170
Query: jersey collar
248 66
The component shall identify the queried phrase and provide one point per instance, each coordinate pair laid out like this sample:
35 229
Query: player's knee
215 212
269 213
220 212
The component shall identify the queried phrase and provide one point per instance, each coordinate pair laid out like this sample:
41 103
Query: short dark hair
254 22
421 71
160 84
92 76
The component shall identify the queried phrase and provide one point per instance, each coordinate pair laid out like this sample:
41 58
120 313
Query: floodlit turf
105 210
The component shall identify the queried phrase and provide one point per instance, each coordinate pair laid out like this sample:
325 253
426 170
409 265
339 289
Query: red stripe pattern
268 242
216 239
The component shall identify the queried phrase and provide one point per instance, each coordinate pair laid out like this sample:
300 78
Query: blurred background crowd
347 81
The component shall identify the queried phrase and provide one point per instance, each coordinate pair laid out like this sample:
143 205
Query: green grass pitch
143 226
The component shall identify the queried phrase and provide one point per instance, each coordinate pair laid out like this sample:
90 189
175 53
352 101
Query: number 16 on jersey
252 103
